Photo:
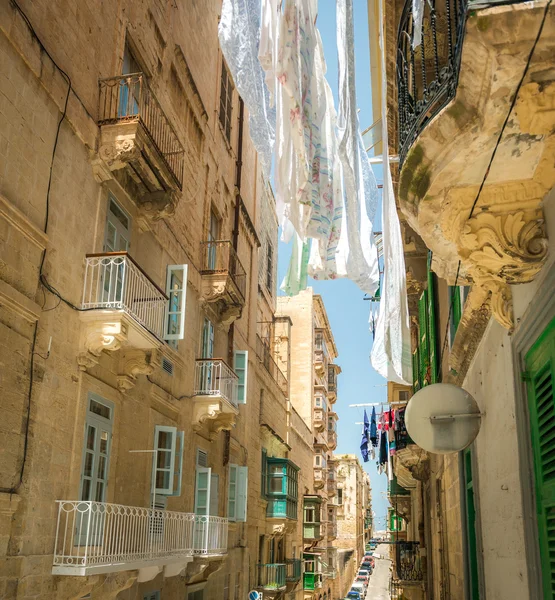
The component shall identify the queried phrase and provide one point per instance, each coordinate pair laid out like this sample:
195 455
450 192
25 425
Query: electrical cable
486 174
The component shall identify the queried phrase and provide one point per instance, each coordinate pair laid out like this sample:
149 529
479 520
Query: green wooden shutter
540 366
432 333
424 354
471 526
415 371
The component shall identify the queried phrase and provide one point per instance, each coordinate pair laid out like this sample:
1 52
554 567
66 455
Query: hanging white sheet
417 19
391 351
356 257
239 33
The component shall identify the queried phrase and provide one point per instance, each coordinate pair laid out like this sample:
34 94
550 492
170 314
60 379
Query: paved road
379 580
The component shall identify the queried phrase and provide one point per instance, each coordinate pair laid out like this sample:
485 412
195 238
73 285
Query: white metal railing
97 534
113 280
213 377
210 535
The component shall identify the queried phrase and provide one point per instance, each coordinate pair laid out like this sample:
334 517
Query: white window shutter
214 486
164 459
202 490
232 493
241 368
178 469
242 492
176 290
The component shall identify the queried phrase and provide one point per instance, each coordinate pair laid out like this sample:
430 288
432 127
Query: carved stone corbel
99 336
134 363
509 247
154 206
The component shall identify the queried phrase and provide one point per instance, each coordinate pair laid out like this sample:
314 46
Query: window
317 460
226 101
281 480
213 238
206 492
321 402
130 88
118 228
152 596
269 267
237 493
240 366
176 290
198 595
207 348
168 443
340 496
403 396
96 451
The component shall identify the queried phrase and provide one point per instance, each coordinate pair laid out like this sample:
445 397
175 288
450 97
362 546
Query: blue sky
347 311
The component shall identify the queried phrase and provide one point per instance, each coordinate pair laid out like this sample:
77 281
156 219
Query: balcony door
95 467
130 87
116 239
207 353
213 237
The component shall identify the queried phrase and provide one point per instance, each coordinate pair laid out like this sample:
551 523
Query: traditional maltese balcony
137 136
455 100
215 396
333 372
121 308
320 354
224 280
272 577
320 416
93 538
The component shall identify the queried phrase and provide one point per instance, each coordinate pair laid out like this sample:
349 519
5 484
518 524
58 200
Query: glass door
207 353
213 237
130 87
116 239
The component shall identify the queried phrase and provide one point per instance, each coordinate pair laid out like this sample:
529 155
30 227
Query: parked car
362 580
354 595
360 588
364 573
366 564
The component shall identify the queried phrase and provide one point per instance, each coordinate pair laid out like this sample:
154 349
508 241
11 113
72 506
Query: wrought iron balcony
272 577
427 76
128 100
408 563
98 537
292 569
264 353
114 282
223 278
215 395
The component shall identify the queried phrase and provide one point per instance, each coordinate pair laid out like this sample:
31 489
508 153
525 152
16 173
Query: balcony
264 353
332 439
333 371
137 136
312 581
272 577
292 570
93 538
332 530
320 354
319 478
121 308
331 486
224 280
320 415
408 564
215 396
455 104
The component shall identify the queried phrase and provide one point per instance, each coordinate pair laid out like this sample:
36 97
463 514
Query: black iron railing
264 353
427 75
128 98
408 561
220 257
293 569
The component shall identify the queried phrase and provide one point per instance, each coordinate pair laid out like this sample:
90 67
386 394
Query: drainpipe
235 244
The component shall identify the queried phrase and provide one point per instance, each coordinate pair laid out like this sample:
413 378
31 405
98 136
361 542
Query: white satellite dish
442 418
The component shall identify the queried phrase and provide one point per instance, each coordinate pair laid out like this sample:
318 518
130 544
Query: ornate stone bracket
212 414
202 568
154 206
97 336
134 363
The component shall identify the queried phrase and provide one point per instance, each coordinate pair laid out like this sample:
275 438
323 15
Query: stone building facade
353 499
470 117
313 393
152 446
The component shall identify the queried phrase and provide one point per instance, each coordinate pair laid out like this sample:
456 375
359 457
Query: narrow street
379 581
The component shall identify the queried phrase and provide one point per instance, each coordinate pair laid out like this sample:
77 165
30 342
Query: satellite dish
442 418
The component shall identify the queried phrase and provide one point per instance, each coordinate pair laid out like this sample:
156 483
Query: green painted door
540 365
